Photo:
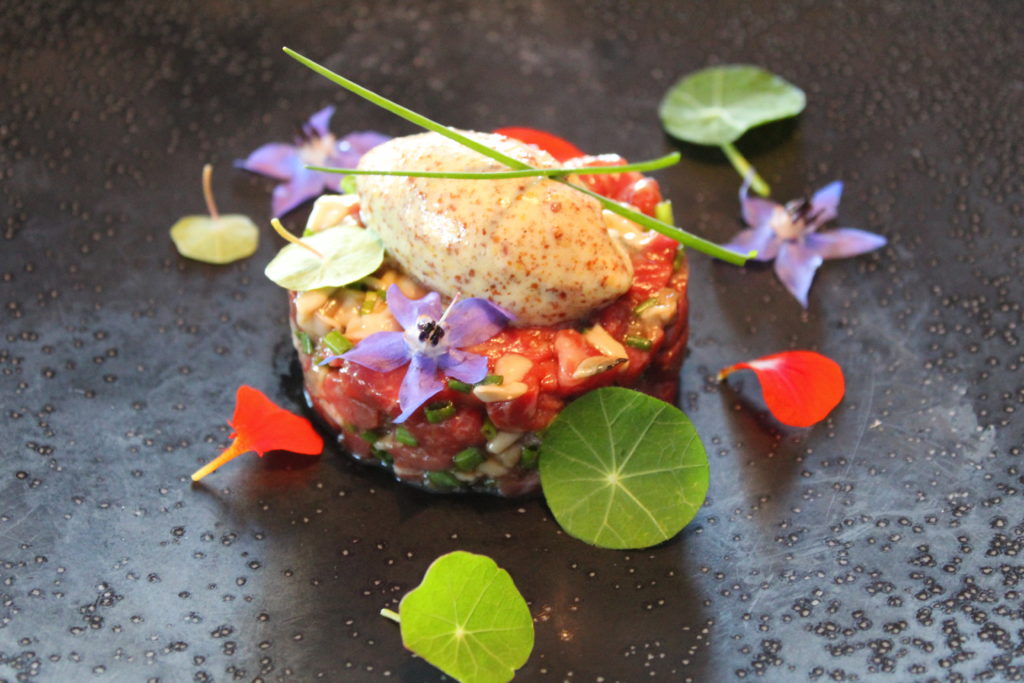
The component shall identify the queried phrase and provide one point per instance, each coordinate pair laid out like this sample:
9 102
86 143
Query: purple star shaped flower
315 145
433 340
789 235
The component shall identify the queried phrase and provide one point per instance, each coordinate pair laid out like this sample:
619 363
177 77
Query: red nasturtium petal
800 387
557 147
261 426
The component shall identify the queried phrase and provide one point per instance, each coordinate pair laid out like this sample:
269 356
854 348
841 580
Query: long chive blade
640 166
678 234
403 112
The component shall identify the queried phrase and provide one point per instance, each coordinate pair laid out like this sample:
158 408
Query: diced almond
595 365
599 338
512 367
330 211
306 303
492 393
502 440
362 326
492 468
510 456
661 313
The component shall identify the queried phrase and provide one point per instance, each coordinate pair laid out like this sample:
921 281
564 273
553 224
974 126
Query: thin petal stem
211 205
236 449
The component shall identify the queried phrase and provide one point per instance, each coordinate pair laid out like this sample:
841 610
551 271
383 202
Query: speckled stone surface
883 544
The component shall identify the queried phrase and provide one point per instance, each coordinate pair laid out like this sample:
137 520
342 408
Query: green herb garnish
331 258
404 436
620 469
671 231
442 480
716 106
337 343
467 459
215 238
461 387
305 342
437 413
638 342
640 166
468 619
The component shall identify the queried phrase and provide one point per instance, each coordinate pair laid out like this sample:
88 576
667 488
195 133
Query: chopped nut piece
595 365
492 393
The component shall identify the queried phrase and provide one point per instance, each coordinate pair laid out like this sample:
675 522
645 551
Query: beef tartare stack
497 302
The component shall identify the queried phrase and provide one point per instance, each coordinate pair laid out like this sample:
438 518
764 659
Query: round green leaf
623 470
215 240
715 106
468 619
349 253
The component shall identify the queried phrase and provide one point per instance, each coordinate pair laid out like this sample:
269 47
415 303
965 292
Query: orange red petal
800 388
557 147
260 425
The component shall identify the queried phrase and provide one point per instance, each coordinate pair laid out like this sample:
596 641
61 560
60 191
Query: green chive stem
743 167
403 112
679 235
671 231
640 166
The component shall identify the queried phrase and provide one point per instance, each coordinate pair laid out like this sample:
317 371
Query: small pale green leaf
348 254
623 470
468 619
215 240
715 106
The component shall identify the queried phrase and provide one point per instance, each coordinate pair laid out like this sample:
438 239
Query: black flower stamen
430 331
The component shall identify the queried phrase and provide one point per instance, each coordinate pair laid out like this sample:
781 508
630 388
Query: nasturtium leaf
219 240
342 255
620 469
468 619
715 106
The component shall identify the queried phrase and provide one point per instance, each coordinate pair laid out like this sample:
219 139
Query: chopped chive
381 455
305 343
369 302
458 386
442 480
488 429
663 211
337 342
528 457
348 184
644 305
642 343
370 436
308 232
468 458
404 436
677 262
493 379
439 412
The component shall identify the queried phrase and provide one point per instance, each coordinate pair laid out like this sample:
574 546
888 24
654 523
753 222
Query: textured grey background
882 544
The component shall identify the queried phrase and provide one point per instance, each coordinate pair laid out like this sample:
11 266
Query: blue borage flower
789 235
315 145
432 340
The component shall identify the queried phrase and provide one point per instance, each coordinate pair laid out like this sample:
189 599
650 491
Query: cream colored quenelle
535 247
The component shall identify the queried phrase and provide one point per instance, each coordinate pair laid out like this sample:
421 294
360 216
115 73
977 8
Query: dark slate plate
883 543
